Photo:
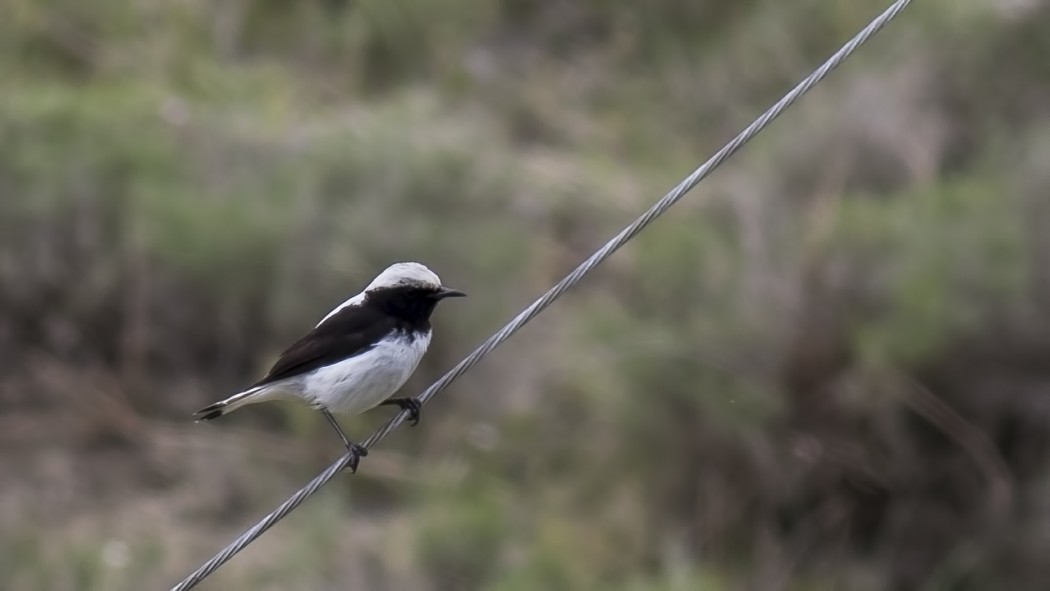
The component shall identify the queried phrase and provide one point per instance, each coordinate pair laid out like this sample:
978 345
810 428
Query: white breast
360 383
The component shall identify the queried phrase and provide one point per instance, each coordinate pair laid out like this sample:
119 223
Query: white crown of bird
405 274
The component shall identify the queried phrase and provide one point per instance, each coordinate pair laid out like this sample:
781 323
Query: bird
357 356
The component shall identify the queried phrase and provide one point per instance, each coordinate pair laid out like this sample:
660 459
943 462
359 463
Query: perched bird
359 355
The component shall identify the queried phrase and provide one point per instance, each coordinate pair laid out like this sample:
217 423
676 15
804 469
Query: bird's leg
412 405
356 451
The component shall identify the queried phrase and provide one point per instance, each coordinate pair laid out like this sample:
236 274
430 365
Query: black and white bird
358 356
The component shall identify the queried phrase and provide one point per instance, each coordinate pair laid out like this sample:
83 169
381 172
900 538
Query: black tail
227 406
210 412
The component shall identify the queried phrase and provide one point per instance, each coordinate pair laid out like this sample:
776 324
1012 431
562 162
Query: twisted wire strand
555 292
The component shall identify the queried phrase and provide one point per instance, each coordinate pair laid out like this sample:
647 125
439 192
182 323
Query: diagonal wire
555 292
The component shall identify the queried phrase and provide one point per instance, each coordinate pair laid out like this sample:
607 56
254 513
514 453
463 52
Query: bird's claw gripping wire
356 453
412 405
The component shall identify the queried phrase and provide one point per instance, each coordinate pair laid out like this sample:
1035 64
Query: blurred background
827 368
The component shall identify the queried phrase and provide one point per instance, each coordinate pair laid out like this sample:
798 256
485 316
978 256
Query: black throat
411 306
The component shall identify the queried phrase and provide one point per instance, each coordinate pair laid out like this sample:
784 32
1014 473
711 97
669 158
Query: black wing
350 332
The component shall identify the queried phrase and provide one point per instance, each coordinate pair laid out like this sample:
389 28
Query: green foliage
460 532
185 185
32 562
940 261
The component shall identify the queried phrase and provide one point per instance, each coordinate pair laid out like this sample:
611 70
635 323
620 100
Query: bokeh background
828 368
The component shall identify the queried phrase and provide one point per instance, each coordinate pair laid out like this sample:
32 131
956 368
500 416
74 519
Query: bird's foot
412 405
356 453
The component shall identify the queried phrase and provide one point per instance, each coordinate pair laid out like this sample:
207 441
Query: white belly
360 383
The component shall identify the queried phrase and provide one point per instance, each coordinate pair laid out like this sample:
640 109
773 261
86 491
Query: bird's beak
445 292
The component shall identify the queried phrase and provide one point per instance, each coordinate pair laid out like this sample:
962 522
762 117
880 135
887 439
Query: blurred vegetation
827 369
